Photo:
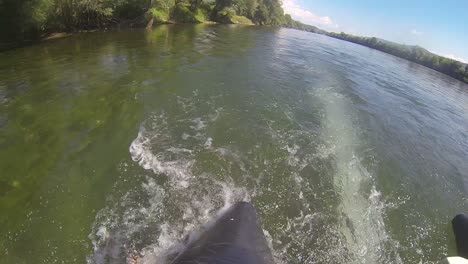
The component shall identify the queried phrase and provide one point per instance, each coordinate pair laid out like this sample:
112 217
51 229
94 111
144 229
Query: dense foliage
30 19
415 54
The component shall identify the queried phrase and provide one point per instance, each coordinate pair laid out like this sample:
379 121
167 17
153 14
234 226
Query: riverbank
416 54
28 22
25 22
150 26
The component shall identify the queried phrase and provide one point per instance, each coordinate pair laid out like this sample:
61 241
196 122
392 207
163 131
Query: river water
123 142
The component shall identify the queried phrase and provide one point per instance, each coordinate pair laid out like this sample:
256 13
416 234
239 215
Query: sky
440 26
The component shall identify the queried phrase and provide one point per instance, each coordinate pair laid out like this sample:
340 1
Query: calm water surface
126 141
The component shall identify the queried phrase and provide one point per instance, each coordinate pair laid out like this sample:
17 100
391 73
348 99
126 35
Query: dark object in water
460 229
235 238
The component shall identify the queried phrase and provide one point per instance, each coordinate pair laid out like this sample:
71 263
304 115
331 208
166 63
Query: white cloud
416 32
455 57
297 12
450 56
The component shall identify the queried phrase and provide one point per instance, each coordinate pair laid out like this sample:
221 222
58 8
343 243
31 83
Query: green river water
120 142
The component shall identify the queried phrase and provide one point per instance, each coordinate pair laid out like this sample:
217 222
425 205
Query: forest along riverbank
24 22
129 140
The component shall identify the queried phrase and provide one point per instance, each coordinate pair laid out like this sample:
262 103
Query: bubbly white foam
197 216
198 124
363 224
141 217
195 197
141 152
208 142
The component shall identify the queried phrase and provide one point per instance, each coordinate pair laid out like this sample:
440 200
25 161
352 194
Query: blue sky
439 26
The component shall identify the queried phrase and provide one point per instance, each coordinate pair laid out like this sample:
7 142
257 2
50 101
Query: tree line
453 68
27 20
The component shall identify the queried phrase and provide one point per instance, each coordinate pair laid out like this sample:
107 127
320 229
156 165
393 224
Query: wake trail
156 220
361 208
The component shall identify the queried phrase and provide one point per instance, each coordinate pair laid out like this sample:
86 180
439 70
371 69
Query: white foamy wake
178 170
197 215
361 207
141 226
119 224
150 222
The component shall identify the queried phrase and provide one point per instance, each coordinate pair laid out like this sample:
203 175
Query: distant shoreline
415 54
455 69
28 22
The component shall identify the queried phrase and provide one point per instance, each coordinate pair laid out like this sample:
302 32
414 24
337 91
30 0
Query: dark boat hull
236 237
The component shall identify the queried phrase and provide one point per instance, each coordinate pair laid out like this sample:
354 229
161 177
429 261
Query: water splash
141 225
362 207
152 221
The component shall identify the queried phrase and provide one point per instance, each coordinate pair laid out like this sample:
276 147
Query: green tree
251 6
276 13
288 21
261 14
